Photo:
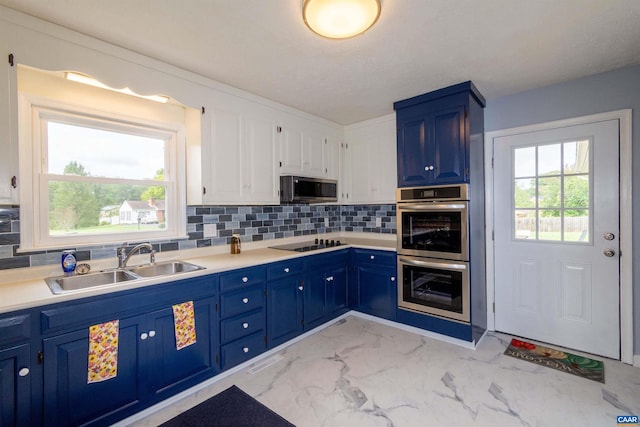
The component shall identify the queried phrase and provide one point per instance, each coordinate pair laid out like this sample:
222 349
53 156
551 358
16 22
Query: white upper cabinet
8 130
370 161
308 148
238 158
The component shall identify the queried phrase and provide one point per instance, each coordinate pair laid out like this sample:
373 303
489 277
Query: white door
556 213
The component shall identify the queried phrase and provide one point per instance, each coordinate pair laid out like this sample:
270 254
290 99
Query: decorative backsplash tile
252 223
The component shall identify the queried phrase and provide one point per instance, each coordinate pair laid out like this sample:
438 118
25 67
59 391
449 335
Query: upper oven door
436 230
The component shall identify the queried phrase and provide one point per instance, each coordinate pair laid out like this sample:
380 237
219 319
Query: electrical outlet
210 230
378 221
326 222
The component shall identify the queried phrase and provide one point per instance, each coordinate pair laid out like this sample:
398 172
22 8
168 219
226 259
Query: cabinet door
259 164
315 299
449 142
8 131
15 388
221 156
361 155
284 309
170 370
415 152
336 282
69 400
314 154
377 291
290 141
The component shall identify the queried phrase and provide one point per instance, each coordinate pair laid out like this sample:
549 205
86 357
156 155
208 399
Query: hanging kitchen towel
103 351
184 323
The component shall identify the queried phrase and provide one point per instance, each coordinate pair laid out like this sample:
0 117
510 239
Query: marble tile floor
358 372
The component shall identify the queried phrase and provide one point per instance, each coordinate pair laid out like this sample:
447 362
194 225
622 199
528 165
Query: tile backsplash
253 223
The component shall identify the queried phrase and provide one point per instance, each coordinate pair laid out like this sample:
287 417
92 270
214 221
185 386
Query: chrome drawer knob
152 334
393 279
23 372
609 252
245 279
286 270
245 325
300 288
144 336
246 349
245 300
373 257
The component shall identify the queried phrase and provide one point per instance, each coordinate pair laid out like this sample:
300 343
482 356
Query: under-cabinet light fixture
84 79
340 19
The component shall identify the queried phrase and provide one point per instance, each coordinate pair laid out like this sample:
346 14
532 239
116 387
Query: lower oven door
434 286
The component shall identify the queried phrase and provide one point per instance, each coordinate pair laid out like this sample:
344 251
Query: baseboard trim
418 331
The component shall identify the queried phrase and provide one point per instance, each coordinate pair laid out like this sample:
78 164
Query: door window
552 192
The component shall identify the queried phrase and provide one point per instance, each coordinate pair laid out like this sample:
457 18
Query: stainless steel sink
164 268
60 285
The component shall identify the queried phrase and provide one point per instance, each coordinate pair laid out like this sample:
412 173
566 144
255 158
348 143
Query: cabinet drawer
240 326
284 269
241 278
381 258
241 301
15 328
242 350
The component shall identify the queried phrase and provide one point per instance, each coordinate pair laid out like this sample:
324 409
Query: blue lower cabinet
15 386
284 309
242 316
171 370
70 400
326 292
374 283
242 350
377 291
149 367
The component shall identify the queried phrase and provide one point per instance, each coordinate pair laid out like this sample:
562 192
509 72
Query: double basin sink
64 284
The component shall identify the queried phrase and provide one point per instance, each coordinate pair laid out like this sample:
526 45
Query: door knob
609 252
609 236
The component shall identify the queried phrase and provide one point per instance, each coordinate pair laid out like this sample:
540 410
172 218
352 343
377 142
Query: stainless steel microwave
300 189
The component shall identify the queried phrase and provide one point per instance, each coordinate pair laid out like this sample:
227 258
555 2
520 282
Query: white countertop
25 287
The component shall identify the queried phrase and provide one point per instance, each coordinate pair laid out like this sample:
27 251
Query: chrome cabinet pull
246 349
286 269
609 236
245 279
144 336
245 325
609 253
23 372
245 300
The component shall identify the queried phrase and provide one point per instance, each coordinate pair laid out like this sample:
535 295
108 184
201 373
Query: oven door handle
417 263
430 206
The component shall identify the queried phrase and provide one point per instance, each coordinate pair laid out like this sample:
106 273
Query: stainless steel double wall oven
433 250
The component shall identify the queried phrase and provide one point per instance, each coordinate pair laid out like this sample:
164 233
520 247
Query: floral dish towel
103 351
185 324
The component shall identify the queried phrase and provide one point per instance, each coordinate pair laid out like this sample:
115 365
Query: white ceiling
262 46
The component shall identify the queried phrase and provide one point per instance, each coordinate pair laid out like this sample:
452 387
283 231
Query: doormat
557 359
230 408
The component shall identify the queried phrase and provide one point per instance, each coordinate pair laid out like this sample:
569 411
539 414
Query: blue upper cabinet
434 134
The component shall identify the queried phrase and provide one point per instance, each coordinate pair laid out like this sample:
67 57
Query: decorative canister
235 243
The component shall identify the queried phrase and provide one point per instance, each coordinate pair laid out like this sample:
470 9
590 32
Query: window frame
34 114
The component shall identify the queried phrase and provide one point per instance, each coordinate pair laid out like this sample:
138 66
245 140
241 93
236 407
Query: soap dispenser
235 243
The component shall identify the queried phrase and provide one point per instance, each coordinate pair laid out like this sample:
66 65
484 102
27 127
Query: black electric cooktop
309 246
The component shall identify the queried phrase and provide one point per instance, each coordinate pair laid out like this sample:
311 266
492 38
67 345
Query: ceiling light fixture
340 19
84 79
